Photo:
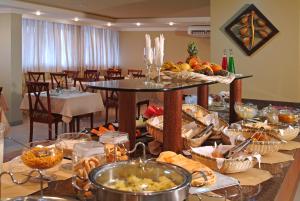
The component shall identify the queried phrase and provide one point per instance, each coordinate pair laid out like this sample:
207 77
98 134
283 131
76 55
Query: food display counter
172 103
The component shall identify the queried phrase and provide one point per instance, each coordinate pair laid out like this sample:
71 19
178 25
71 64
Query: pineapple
193 51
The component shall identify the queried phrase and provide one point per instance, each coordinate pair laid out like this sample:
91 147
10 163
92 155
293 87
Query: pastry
201 174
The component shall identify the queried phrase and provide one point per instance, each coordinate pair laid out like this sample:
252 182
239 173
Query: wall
276 65
10 65
132 45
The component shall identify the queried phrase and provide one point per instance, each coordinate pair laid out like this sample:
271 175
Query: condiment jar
86 156
116 145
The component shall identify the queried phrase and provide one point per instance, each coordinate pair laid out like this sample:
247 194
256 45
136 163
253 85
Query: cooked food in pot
136 184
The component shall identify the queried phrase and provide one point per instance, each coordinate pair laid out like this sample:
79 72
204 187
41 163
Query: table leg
172 121
127 110
235 97
202 93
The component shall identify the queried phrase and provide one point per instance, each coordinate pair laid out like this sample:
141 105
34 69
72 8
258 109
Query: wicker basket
216 131
157 133
261 147
287 134
229 165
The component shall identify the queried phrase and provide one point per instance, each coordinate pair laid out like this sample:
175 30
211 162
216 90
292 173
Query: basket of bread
263 142
215 158
193 134
281 130
204 117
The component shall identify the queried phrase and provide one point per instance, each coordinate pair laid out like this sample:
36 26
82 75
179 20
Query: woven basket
229 165
216 131
261 147
157 133
287 135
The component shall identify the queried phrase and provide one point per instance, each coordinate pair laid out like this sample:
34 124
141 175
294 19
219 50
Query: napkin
159 50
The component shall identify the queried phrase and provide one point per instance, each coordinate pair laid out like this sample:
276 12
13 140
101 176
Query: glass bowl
245 111
42 155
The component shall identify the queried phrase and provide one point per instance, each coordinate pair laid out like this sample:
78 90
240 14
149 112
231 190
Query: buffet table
281 186
172 103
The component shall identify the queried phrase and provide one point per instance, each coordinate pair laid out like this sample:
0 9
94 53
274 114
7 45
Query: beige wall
10 63
132 47
276 65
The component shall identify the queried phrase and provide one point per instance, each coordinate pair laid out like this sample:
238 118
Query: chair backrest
112 94
59 80
91 74
114 72
81 81
36 76
114 77
135 71
71 73
34 95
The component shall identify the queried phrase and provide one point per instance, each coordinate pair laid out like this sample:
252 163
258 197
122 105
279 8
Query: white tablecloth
70 104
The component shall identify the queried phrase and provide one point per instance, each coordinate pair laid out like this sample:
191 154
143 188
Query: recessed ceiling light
108 24
38 12
76 19
138 24
171 23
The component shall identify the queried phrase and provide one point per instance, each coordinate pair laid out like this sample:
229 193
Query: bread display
201 174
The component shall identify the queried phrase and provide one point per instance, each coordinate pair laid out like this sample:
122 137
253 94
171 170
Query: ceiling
124 9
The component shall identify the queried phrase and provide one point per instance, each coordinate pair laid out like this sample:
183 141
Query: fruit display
195 64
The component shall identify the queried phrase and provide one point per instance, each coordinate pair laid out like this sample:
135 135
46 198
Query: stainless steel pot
100 176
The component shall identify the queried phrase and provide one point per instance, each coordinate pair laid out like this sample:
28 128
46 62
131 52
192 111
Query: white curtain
101 47
49 46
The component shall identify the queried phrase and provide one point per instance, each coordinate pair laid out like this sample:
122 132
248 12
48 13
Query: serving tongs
238 148
204 132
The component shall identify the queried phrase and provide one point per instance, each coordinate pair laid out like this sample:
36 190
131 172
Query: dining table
69 103
172 90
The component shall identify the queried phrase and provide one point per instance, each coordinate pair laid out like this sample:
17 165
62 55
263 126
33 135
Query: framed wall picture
251 29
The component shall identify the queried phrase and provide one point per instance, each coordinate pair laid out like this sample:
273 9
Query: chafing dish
102 177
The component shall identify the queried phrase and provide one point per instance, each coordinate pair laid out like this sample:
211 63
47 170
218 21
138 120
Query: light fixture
76 19
171 23
108 24
138 24
38 12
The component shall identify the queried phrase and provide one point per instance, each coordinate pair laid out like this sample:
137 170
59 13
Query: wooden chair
134 72
84 89
91 74
114 72
111 99
138 73
40 111
71 73
57 79
36 76
81 81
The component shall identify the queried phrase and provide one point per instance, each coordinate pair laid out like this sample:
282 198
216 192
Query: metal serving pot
108 173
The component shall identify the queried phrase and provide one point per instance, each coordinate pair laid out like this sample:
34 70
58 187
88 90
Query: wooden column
127 110
172 121
202 94
235 97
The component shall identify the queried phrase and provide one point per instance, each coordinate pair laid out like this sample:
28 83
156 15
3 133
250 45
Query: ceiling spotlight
38 12
108 24
138 24
171 23
76 19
